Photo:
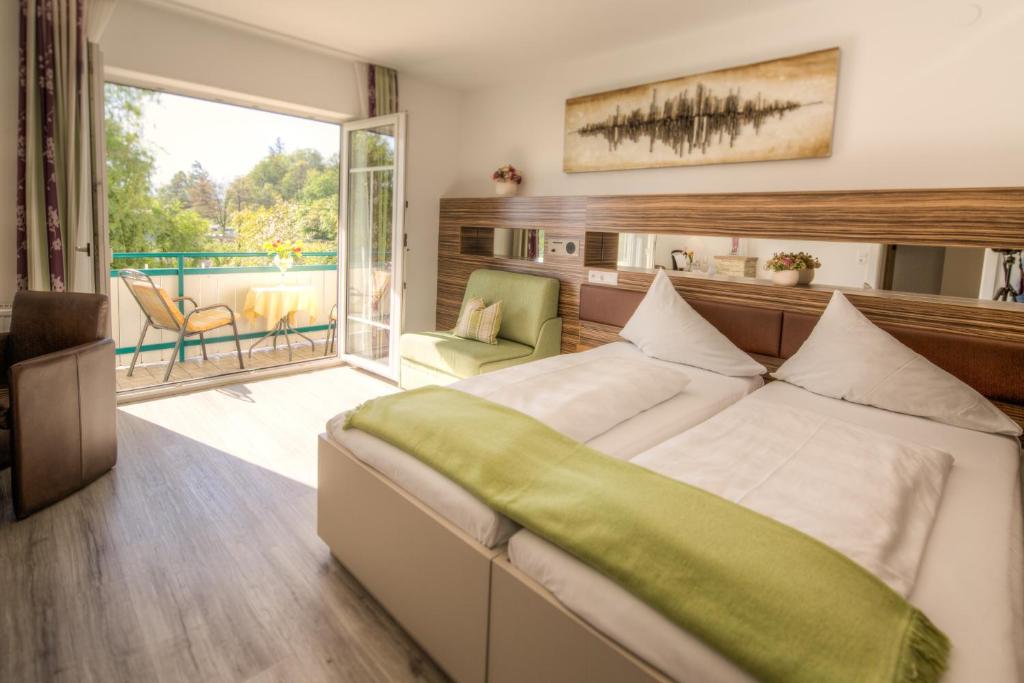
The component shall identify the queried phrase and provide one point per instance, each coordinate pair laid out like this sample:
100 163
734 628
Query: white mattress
706 394
970 582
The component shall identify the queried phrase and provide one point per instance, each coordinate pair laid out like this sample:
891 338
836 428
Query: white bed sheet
970 582
706 394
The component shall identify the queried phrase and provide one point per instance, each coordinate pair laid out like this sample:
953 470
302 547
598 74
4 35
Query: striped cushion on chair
480 323
462 326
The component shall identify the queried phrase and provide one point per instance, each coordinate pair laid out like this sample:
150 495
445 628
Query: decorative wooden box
737 266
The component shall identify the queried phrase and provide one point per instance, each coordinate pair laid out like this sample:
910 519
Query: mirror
521 244
969 272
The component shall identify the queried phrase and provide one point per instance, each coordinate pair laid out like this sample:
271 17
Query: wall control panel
563 247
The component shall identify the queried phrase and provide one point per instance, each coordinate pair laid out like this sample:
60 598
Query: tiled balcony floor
219 364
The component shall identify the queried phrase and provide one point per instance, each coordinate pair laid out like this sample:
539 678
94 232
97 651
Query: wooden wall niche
476 241
991 217
602 250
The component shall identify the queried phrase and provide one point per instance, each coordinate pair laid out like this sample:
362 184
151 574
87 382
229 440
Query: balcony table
280 303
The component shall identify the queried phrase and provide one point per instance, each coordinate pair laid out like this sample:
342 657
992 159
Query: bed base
433 578
478 616
533 637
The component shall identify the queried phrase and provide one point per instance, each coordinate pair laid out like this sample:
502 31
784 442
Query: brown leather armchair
58 428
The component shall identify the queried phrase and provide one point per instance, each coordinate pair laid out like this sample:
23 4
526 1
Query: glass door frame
397 299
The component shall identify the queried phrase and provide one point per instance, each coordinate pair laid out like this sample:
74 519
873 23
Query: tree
176 190
301 180
195 190
255 226
129 167
138 220
285 195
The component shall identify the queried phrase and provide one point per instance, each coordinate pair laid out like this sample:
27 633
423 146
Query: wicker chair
162 314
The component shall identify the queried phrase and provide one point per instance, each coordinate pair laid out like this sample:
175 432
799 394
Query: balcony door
372 242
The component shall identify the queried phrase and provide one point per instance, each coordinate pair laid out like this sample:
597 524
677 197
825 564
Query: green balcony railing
181 270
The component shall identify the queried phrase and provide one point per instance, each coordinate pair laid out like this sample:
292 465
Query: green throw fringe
926 654
347 424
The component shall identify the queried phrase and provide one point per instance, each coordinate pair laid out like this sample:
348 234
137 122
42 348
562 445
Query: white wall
925 100
213 57
431 167
8 144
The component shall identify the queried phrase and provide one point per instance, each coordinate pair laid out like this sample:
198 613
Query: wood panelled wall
992 217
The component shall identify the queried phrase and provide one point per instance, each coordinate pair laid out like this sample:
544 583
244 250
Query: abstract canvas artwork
782 109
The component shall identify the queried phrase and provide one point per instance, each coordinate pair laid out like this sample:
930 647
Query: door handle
87 249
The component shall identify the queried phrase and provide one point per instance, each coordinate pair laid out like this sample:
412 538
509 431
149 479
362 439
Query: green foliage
140 221
286 195
196 190
257 225
300 184
129 168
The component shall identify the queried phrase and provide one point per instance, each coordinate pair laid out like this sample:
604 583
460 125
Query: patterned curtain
382 90
55 149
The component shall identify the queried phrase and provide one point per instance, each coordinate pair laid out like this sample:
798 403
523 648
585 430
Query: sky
226 139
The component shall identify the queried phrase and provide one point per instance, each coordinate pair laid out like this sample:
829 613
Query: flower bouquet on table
283 253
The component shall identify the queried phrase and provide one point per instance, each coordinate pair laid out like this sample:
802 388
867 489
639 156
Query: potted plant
506 180
283 253
811 263
785 268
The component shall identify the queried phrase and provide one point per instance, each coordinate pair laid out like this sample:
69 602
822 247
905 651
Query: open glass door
371 242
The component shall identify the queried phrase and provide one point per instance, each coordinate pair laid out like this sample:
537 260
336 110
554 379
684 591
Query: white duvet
582 395
868 495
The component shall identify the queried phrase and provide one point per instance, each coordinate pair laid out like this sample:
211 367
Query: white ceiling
473 43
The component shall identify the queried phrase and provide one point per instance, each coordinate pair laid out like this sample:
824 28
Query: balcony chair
162 314
58 413
368 300
530 330
332 331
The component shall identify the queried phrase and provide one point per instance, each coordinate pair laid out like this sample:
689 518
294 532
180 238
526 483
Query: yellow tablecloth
273 303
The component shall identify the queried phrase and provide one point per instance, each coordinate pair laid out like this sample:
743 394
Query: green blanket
778 603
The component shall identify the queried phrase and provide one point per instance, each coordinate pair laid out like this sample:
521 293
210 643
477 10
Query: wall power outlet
602 277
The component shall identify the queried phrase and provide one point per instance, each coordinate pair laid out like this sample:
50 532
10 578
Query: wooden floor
152 374
196 558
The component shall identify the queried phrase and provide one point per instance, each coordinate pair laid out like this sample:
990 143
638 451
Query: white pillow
846 356
665 326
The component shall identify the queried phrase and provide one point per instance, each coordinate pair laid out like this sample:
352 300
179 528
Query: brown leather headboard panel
993 368
753 329
796 327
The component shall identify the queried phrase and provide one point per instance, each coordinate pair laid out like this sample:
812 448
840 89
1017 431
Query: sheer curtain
56 219
636 250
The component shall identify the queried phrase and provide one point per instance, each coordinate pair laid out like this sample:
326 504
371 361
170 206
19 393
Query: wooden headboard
991 217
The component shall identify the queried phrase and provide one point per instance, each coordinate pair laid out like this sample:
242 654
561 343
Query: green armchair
530 330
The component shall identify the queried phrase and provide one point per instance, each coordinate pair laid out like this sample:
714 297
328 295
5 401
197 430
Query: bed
554 618
424 546
528 612
706 394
